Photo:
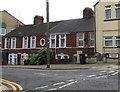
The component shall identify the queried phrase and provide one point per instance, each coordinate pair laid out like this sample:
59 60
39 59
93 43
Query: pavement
64 66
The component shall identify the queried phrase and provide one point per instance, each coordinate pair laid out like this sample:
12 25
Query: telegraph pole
48 33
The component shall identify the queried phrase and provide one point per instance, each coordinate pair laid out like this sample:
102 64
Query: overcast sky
25 10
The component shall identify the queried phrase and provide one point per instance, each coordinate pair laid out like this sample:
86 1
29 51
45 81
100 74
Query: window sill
112 47
112 19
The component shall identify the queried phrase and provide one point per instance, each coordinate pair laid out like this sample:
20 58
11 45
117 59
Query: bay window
108 12
118 11
118 41
108 42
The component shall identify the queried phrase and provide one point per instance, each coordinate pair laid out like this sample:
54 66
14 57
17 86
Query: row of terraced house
97 32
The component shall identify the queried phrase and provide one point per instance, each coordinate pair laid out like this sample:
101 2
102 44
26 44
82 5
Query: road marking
67 84
80 75
58 83
103 71
70 80
17 85
41 87
13 87
91 76
53 89
111 71
115 73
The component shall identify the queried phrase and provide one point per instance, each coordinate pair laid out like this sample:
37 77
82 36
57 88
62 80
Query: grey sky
25 10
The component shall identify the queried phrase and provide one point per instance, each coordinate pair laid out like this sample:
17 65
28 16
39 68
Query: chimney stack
38 19
87 13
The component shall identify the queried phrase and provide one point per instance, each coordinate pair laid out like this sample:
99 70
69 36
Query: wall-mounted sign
114 55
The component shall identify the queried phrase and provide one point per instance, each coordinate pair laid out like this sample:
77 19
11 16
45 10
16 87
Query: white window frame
7 42
91 39
117 8
117 39
2 29
107 8
51 46
25 46
62 56
79 39
31 42
13 59
60 40
24 57
42 44
13 40
108 40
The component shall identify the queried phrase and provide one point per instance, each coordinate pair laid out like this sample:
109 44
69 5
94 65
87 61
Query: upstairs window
108 12
108 42
52 41
81 40
118 41
2 31
33 42
6 42
25 42
62 40
91 39
118 11
13 43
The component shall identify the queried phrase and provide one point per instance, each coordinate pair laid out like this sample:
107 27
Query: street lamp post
48 33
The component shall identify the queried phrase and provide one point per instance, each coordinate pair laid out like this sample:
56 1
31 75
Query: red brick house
68 39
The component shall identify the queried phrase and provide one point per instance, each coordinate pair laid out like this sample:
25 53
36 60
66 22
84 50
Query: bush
40 58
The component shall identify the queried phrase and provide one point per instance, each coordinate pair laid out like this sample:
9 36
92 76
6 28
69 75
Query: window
25 42
13 43
11 30
62 40
6 42
80 39
12 59
42 42
108 12
118 41
2 31
62 56
108 42
92 39
52 41
118 11
33 42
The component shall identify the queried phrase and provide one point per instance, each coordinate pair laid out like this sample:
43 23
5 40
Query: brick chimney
87 13
38 19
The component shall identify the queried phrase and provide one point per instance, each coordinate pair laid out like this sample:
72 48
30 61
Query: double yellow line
15 87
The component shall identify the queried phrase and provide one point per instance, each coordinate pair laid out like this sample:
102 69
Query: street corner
6 85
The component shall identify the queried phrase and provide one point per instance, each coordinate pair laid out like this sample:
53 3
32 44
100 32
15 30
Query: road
47 80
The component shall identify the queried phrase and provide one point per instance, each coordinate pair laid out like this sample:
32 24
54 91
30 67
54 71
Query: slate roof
65 26
75 25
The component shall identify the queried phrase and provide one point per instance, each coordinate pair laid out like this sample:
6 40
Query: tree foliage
40 58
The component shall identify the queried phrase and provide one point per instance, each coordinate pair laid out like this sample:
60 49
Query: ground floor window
12 59
23 58
62 56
